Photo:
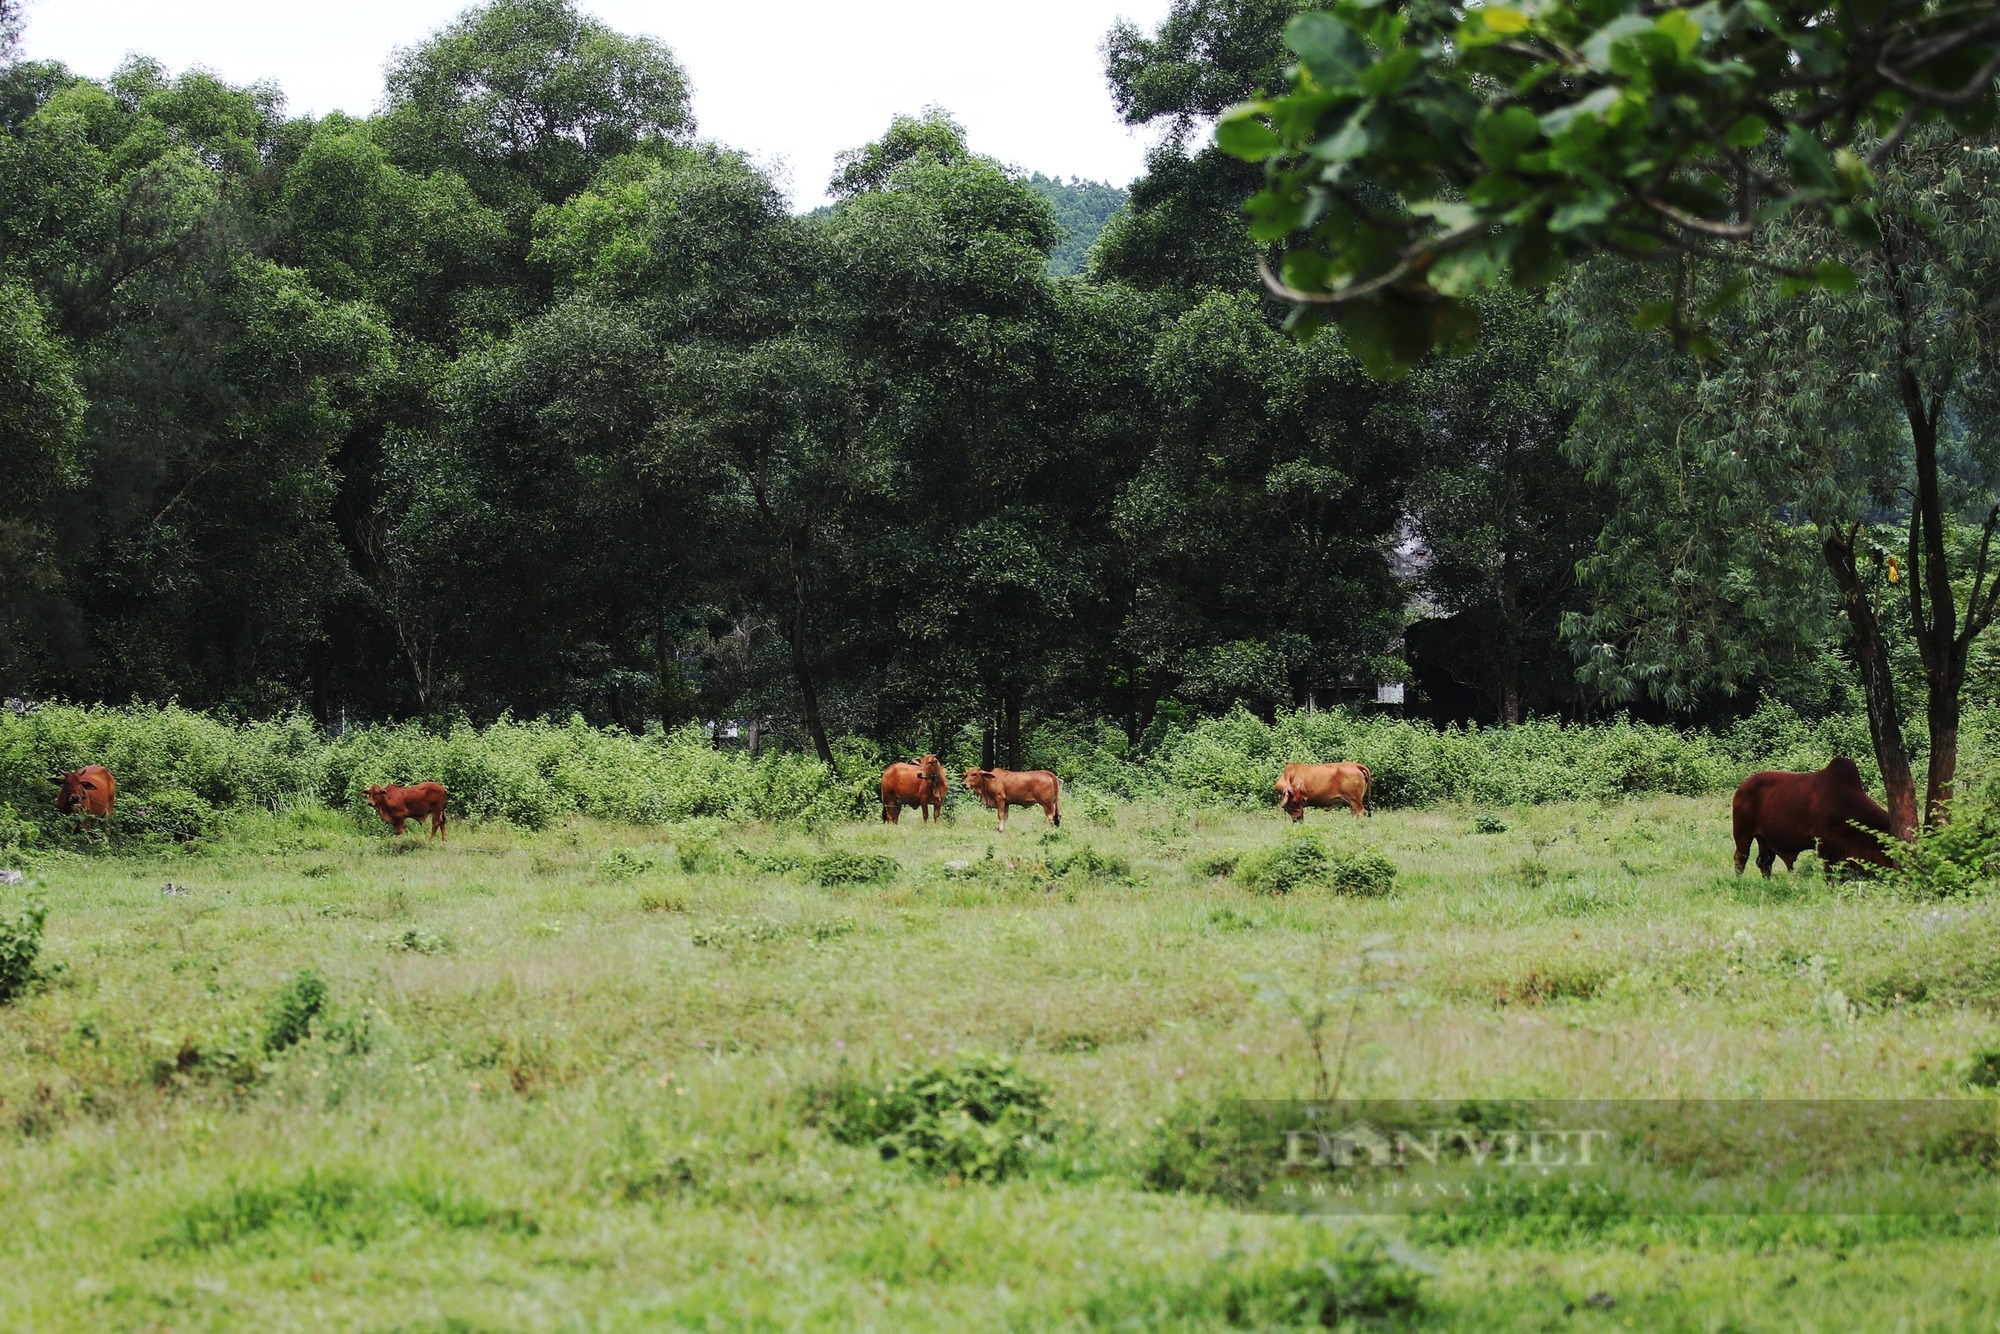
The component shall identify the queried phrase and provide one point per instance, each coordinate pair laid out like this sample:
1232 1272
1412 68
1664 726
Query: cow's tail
1367 789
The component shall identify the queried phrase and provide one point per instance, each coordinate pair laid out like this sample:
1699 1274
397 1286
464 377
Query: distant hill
1082 207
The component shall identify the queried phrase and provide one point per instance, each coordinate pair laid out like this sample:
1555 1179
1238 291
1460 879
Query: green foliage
172 814
1082 208
20 945
1364 874
1346 1281
416 940
1957 859
288 1019
333 1207
1487 823
1419 156
1297 858
1984 1071
980 1119
854 868
627 863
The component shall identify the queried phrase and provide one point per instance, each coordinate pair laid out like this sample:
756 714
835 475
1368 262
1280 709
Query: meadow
603 1075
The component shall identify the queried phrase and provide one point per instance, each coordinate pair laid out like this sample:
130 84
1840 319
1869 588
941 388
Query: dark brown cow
1324 786
1002 788
921 785
1786 813
87 791
417 802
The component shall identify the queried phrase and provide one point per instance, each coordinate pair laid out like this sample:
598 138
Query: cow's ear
87 785
57 779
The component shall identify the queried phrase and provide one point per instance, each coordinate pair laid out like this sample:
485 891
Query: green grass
568 1080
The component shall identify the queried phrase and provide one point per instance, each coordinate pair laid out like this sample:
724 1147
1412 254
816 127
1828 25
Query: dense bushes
1234 759
180 772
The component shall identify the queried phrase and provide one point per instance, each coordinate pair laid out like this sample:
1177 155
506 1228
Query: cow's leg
1742 849
1766 854
1354 804
396 823
1049 814
890 810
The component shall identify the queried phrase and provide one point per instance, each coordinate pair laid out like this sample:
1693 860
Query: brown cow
397 804
1002 788
89 791
1786 813
921 785
1324 786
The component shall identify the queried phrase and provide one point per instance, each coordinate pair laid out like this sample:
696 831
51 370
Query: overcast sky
789 81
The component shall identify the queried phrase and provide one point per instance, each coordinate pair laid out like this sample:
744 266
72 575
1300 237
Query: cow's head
76 790
933 774
980 781
378 797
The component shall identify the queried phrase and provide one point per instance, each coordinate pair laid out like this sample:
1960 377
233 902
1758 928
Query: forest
521 397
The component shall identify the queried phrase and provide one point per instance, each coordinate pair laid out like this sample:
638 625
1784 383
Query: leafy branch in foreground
1423 153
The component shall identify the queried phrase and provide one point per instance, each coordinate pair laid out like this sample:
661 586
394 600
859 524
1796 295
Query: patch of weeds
336 1207
416 940
318 870
1984 1070
1215 864
1365 874
20 946
335 910
289 1019
854 868
1487 823
1222 1150
1351 1281
1568 979
662 900
627 863
696 850
980 1119
1575 900
1085 862
831 928
1228 919
1296 859
731 931
775 863
1532 872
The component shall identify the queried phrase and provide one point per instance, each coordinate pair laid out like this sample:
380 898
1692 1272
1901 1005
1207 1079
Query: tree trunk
1871 654
801 669
1510 599
1011 696
1935 628
986 742
316 671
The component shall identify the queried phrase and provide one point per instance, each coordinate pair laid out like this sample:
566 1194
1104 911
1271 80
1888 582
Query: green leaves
1565 127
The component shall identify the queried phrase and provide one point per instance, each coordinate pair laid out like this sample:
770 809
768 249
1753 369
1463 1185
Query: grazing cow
1787 813
417 802
1324 786
86 791
921 785
1002 788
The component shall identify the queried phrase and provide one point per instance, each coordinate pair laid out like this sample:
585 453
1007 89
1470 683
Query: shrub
1959 858
979 1119
1296 859
289 1019
20 946
172 814
1985 1070
1085 862
627 863
1366 874
1348 1281
415 940
854 868
1489 824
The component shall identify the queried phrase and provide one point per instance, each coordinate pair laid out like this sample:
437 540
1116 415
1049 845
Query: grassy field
579 1079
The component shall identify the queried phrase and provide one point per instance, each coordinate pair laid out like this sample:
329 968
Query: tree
527 99
1844 408
1501 515
1424 152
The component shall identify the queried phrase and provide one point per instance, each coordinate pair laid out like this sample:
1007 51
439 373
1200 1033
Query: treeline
520 396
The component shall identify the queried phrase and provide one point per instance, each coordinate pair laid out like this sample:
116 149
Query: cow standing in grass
1324 786
921 785
1001 788
418 802
1786 813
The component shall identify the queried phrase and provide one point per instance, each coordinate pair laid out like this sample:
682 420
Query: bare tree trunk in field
1871 654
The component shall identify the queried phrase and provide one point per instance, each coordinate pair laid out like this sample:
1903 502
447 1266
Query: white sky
791 82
